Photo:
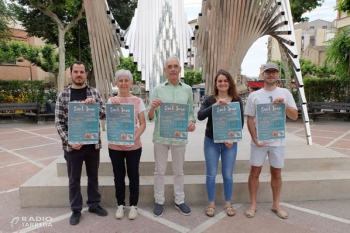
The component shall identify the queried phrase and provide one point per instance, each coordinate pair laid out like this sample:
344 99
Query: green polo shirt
168 93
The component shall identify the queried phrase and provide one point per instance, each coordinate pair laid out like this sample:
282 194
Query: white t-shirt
263 97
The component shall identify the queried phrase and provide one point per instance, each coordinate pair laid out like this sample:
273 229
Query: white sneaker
133 213
120 212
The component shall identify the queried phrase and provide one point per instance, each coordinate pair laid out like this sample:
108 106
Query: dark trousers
75 160
132 159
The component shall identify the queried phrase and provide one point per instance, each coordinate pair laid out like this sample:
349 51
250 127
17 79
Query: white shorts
275 154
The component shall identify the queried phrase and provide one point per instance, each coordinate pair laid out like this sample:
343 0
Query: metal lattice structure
227 29
158 30
105 43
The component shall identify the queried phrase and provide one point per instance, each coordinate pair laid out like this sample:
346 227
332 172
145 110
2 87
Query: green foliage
344 6
44 57
123 11
193 77
309 69
20 91
338 52
299 7
326 89
127 63
40 25
5 18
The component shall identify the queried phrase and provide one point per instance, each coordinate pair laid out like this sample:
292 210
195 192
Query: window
312 27
324 27
312 40
9 63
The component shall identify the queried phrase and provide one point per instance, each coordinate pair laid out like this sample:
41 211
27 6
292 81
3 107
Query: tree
338 52
61 14
128 64
344 6
123 11
77 43
5 18
299 7
193 77
44 57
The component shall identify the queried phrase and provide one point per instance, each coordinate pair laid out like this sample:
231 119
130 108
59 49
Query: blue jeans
212 153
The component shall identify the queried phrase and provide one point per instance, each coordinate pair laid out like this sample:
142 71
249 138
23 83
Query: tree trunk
62 60
349 80
285 65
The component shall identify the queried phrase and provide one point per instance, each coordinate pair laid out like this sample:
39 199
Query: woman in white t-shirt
120 154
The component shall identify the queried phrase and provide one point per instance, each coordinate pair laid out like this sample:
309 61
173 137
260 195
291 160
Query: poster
173 121
83 123
271 122
227 122
120 121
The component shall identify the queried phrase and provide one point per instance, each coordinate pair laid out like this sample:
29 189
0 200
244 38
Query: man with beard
275 150
76 154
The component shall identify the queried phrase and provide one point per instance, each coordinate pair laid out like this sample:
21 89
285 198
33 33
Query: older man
171 91
275 150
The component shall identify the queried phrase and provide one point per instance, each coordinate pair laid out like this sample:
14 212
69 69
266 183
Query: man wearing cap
275 150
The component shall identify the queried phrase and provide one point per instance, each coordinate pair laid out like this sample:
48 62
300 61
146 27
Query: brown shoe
249 213
210 211
230 211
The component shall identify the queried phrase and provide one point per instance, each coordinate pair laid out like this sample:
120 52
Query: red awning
255 84
260 84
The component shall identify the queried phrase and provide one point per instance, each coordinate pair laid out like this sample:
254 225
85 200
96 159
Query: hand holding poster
120 124
83 123
173 121
271 121
227 122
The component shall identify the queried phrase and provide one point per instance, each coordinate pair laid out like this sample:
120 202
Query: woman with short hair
130 154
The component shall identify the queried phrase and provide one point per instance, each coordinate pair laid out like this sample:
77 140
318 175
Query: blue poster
173 121
120 121
227 122
83 123
271 121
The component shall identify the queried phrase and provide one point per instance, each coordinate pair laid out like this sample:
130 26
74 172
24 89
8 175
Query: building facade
22 69
310 38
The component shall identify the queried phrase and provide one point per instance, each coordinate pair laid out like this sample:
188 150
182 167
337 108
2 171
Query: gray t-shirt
263 97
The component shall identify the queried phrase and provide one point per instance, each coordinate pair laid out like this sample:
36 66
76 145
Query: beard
78 82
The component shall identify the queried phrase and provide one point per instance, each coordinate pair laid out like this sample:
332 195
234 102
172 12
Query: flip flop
281 214
249 213
230 211
210 211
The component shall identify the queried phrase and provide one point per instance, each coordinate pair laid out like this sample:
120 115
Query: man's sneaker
75 217
158 210
99 211
120 212
184 209
133 213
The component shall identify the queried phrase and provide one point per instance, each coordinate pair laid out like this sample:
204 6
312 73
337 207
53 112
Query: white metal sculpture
158 30
227 29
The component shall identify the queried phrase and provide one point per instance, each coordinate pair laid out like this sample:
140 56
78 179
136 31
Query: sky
257 54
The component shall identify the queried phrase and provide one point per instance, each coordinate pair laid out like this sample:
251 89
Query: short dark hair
79 63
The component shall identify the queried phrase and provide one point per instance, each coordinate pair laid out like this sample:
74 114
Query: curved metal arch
227 29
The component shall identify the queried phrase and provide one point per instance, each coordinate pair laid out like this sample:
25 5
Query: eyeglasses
268 72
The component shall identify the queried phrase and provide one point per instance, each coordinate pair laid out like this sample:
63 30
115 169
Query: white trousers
161 158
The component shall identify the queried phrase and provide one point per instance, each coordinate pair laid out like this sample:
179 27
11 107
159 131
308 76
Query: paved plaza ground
27 148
